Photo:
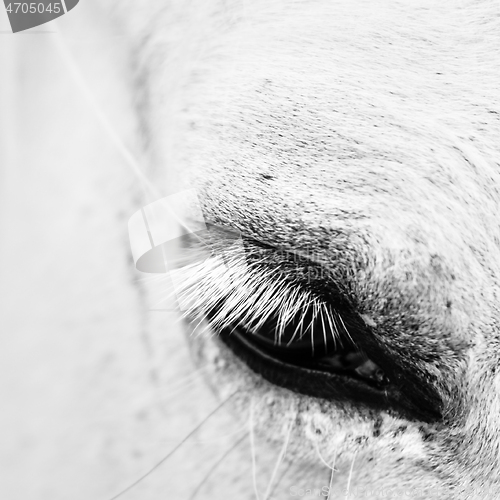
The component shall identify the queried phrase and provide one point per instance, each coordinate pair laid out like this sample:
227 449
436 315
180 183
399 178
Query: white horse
355 148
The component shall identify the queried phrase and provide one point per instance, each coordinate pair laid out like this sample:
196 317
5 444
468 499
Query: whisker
166 457
218 437
252 449
187 379
350 476
280 458
323 460
215 465
182 386
331 467
283 474
330 484
76 73
78 78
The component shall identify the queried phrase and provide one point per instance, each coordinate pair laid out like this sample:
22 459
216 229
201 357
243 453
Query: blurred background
95 386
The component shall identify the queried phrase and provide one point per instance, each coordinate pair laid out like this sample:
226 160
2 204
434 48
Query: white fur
365 133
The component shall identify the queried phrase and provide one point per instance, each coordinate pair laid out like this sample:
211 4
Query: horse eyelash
235 293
